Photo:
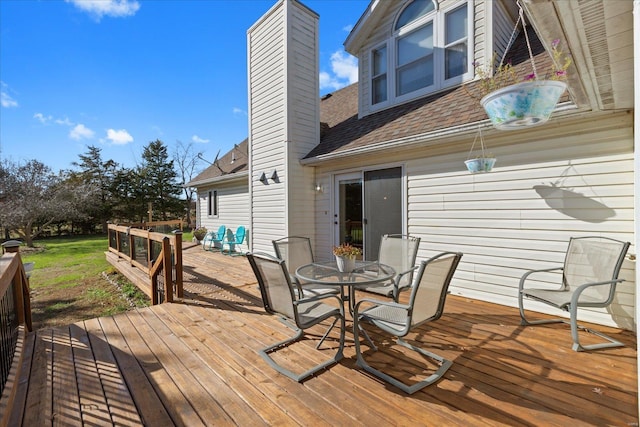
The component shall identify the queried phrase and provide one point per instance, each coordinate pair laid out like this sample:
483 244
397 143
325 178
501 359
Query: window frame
212 204
438 18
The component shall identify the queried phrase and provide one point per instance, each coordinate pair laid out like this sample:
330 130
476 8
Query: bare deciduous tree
187 161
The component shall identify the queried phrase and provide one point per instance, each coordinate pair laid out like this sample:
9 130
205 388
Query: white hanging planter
484 161
523 104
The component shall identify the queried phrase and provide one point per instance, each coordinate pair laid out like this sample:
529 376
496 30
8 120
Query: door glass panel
382 207
350 211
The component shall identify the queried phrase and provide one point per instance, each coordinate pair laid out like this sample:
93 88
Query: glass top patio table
327 273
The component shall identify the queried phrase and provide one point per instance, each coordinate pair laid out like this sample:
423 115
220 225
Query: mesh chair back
295 251
593 259
399 252
274 283
430 288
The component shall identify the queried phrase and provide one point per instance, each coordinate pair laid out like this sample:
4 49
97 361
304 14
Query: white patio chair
398 251
279 297
589 278
426 304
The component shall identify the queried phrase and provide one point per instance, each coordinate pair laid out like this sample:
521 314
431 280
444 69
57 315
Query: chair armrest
575 296
526 275
320 298
399 276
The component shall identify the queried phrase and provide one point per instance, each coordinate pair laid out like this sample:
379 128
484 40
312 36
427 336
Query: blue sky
118 74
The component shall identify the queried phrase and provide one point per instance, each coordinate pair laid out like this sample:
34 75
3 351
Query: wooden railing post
167 270
178 254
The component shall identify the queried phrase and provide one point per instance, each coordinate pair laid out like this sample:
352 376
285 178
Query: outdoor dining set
299 289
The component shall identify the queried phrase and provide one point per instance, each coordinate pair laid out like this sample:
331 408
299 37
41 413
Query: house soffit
599 36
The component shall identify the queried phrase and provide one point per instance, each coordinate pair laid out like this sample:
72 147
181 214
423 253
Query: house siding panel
304 119
233 199
267 132
284 120
521 215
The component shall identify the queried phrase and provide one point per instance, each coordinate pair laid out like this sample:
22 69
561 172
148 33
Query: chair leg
526 322
576 340
409 389
300 377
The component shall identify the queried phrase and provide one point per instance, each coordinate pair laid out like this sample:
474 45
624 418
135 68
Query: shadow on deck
196 363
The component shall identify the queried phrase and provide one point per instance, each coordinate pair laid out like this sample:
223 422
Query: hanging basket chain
513 38
479 133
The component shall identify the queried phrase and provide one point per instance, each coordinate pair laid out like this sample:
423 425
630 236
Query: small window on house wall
212 203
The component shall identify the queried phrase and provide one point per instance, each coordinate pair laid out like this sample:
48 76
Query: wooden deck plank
150 407
397 409
92 399
218 385
119 401
39 409
66 409
173 358
196 362
181 412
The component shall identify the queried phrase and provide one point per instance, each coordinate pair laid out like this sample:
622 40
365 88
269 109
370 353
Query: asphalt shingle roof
449 108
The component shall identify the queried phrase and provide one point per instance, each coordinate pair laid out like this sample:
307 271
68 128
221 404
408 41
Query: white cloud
112 8
64 121
42 118
197 139
80 131
345 71
119 137
240 111
5 99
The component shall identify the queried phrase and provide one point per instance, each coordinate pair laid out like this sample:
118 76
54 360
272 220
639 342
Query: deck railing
15 322
156 254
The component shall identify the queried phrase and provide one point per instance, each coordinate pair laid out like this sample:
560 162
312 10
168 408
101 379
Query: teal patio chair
212 237
235 242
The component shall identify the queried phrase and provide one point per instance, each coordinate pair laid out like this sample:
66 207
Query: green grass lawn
69 281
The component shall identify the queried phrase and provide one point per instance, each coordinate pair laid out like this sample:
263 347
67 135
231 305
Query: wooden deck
196 363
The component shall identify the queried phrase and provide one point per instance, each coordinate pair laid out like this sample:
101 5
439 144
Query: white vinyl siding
521 215
284 121
303 119
233 206
267 132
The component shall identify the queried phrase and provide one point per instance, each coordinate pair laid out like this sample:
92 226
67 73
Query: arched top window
413 11
428 50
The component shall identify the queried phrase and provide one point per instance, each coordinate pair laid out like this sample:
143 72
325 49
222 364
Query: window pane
455 58
379 61
414 11
456 25
416 45
379 89
415 76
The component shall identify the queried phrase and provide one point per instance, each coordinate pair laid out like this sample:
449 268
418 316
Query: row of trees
96 191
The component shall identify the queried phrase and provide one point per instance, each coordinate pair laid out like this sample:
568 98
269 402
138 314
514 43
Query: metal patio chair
236 240
398 251
213 237
296 251
589 279
426 304
280 297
